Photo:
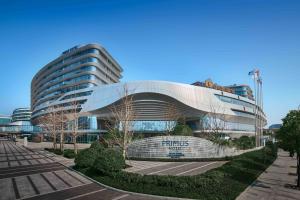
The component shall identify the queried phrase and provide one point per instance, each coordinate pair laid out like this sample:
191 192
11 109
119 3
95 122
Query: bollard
25 141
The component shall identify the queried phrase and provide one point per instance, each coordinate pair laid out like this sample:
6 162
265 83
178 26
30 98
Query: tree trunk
62 140
54 141
298 170
75 145
124 153
124 145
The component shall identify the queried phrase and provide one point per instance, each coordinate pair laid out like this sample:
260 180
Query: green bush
97 145
181 129
225 182
108 161
69 153
86 157
273 148
244 142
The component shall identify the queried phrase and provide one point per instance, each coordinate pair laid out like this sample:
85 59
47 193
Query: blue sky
181 41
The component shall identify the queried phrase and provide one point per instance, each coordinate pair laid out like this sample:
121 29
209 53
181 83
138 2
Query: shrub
69 153
97 145
244 142
86 157
109 161
272 148
181 129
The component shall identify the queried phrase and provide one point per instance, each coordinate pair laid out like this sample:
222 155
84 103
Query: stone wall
179 147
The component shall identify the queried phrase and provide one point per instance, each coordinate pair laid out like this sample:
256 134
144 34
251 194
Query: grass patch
225 182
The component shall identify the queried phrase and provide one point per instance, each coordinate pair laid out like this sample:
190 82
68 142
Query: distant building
275 126
242 90
18 123
21 114
210 84
272 129
4 120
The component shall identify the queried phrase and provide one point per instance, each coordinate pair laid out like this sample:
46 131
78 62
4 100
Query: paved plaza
171 168
29 174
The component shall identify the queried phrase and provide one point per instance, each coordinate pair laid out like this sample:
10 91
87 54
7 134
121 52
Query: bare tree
73 118
202 125
171 117
216 119
213 123
120 124
49 123
62 120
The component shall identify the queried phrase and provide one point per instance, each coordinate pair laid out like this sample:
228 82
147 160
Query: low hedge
56 151
68 153
225 182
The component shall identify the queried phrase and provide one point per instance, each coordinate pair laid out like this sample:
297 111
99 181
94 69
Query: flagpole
261 106
259 113
257 99
255 110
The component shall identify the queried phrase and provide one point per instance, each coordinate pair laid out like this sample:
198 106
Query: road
171 168
28 174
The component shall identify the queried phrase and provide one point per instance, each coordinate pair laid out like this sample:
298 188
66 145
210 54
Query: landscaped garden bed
225 182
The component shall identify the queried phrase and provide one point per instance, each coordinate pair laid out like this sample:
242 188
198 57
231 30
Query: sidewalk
275 182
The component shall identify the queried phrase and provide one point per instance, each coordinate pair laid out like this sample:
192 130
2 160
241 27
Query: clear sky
182 41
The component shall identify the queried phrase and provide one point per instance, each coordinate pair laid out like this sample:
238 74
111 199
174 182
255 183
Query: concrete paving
42 145
31 174
171 168
277 182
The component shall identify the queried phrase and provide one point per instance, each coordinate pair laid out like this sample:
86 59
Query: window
81 94
235 101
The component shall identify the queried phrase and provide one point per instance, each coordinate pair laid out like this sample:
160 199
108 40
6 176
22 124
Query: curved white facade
151 98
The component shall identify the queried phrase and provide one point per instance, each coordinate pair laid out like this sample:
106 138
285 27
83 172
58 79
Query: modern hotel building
90 75
71 77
